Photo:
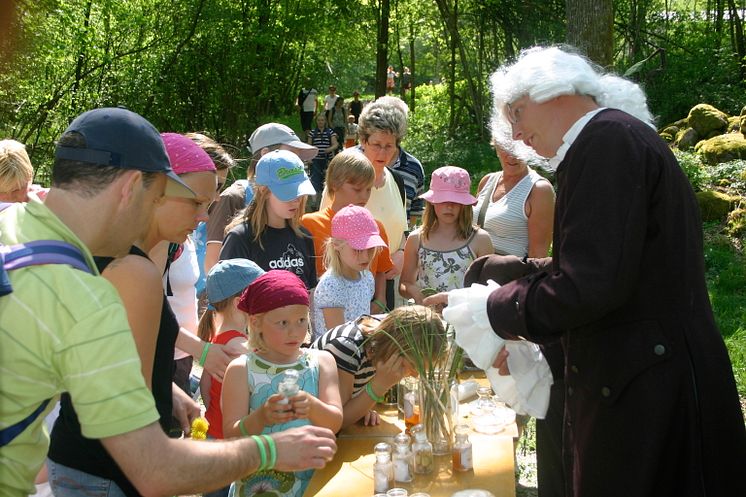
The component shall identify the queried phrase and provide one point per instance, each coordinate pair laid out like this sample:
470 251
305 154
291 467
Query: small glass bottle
410 402
383 468
462 456
288 386
422 451
403 459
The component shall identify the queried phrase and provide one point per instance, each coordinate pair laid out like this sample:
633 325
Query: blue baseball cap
230 277
118 137
283 173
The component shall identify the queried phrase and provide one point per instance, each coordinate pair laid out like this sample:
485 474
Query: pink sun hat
450 184
356 226
185 155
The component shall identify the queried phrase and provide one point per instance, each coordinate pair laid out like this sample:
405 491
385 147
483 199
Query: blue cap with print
283 173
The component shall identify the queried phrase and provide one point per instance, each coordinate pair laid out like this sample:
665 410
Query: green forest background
225 66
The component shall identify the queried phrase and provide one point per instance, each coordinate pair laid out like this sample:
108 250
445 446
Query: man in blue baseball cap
63 328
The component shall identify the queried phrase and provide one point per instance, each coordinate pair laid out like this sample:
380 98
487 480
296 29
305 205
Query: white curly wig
544 73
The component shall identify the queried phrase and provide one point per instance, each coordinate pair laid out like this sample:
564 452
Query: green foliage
730 176
726 281
694 169
428 138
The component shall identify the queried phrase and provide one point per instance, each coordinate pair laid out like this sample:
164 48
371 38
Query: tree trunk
590 28
382 46
738 38
411 63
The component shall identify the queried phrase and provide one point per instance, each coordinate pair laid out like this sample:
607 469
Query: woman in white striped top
520 206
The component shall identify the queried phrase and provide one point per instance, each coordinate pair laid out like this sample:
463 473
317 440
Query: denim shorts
69 482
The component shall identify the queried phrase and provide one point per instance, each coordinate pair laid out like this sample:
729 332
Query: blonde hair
409 323
332 259
349 166
465 221
255 215
15 166
206 326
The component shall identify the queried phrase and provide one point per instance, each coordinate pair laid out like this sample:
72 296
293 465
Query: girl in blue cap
268 231
225 282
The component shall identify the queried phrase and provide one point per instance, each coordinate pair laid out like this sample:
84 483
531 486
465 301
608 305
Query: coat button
574 368
606 392
659 349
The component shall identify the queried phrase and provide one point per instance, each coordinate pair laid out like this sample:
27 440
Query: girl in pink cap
346 289
437 254
278 385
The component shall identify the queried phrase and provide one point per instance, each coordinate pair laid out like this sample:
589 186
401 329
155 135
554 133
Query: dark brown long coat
651 408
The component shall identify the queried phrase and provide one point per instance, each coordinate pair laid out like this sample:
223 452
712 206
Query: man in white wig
651 403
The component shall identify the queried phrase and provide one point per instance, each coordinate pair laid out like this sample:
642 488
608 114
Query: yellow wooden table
350 474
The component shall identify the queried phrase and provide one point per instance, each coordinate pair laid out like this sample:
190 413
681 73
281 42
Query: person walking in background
338 121
390 79
329 100
325 140
307 104
351 132
406 81
356 105
437 254
252 399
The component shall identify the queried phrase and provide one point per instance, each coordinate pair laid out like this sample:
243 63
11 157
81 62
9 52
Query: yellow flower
199 428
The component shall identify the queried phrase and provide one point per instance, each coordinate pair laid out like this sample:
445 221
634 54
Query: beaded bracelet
205 349
272 451
372 394
262 453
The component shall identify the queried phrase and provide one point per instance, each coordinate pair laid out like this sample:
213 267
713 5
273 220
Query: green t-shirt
62 330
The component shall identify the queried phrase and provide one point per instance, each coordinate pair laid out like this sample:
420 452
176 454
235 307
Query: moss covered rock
722 148
715 206
743 125
736 223
686 139
734 124
706 119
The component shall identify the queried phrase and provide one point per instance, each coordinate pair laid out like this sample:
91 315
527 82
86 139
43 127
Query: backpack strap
8 434
37 253
34 253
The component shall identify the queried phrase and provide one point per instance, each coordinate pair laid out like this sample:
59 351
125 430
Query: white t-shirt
309 104
386 205
337 291
182 275
329 101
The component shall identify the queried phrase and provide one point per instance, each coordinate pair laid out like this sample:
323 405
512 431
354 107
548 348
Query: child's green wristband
372 394
262 453
380 304
205 349
242 427
272 451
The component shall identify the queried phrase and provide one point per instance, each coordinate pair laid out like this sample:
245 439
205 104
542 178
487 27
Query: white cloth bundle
527 388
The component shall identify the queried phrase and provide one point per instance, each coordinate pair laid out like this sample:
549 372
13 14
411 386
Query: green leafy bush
731 176
694 169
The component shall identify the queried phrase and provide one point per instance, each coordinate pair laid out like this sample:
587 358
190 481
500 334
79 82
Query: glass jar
383 468
403 459
409 402
462 450
288 386
422 451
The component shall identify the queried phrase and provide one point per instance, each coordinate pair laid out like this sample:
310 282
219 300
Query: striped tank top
505 220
